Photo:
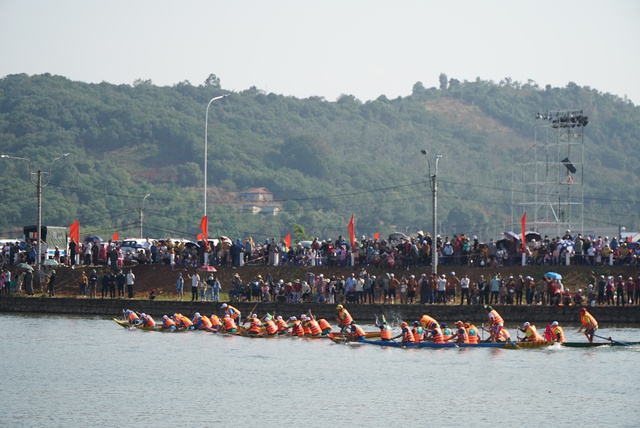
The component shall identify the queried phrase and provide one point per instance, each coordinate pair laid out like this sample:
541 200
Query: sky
303 48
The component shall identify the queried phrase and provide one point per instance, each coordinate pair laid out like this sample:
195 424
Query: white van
132 245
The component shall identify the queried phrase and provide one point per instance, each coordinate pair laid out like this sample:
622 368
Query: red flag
287 240
376 236
74 231
352 234
199 237
524 222
204 226
115 237
548 333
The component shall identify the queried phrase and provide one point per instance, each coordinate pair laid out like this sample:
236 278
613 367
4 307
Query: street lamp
142 209
434 193
39 186
206 132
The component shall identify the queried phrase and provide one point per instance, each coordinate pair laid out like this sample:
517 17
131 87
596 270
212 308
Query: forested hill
321 160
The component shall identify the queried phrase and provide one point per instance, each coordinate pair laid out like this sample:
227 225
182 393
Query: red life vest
297 329
271 327
255 326
314 327
345 317
229 323
324 325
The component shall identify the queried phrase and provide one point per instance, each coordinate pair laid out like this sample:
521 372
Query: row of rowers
428 329
231 322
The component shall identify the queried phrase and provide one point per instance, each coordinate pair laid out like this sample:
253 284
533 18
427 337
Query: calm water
86 372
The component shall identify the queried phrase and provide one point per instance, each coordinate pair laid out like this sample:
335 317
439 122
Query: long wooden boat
594 345
125 324
501 345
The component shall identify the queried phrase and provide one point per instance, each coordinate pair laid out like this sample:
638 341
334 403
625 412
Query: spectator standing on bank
180 287
130 279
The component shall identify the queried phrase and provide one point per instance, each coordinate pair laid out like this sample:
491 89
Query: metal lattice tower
548 181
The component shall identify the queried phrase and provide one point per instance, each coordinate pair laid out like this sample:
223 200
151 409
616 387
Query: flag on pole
376 236
199 237
352 234
548 333
524 222
204 226
287 240
74 231
115 237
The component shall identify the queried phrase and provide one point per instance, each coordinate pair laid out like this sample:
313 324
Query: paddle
246 318
612 341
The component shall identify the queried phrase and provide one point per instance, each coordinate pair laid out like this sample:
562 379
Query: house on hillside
256 194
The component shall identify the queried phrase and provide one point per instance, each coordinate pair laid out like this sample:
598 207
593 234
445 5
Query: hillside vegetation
322 160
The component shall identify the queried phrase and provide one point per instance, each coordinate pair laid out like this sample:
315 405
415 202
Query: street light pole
142 209
39 186
206 133
433 178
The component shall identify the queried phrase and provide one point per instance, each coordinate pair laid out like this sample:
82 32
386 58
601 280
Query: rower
216 323
344 318
558 333
282 325
229 325
472 332
147 321
358 332
296 327
447 334
495 323
461 335
426 321
313 326
201 322
182 321
232 312
325 327
436 333
256 324
418 332
270 326
589 324
406 334
385 331
168 323
132 317
530 333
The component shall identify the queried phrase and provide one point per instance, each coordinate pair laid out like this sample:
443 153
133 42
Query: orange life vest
418 334
205 322
359 332
282 325
437 336
587 318
229 323
531 334
426 321
314 328
132 317
233 312
385 332
215 321
407 335
324 325
472 333
271 327
297 329
183 321
148 321
307 328
345 317
497 319
168 323
255 326
463 336
558 334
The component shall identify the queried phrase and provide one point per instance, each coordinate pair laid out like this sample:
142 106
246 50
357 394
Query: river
59 371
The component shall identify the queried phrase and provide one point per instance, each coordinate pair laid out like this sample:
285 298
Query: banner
204 226
74 231
352 235
287 240
376 236
116 236
524 222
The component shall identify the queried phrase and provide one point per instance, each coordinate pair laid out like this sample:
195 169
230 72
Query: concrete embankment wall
606 316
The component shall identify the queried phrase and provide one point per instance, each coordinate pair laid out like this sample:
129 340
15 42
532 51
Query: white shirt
130 278
195 279
464 283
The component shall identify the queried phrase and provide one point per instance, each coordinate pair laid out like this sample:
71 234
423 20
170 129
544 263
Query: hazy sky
302 48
